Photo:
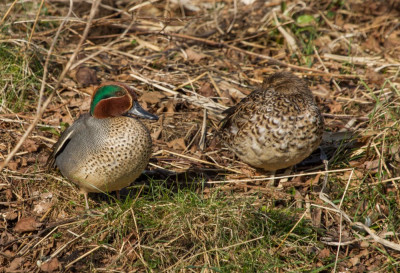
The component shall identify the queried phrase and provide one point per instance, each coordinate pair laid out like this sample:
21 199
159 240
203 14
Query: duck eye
119 93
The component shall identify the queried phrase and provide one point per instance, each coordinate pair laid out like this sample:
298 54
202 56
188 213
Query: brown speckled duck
276 126
108 148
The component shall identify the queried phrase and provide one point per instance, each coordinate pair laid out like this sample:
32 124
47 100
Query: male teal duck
276 126
108 148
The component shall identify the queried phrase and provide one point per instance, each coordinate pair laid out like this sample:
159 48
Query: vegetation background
197 208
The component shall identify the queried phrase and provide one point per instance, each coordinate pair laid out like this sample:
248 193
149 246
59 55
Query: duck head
286 83
114 99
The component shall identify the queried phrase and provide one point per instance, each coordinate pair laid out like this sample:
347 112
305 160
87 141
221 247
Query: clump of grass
19 79
371 197
159 228
383 149
20 62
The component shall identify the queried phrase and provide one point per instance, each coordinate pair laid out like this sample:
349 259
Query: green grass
184 229
19 78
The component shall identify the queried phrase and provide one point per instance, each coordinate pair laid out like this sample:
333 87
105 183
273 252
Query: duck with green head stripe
108 148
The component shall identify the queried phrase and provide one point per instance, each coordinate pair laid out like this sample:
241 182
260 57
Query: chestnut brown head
114 99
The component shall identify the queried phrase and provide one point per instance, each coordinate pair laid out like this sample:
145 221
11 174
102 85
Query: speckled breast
115 153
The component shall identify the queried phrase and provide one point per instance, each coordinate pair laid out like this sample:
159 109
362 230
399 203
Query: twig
215 14
323 196
341 218
198 100
349 242
138 236
203 161
289 39
291 230
235 9
202 142
270 60
276 177
356 60
190 81
329 23
142 5
338 116
359 225
54 254
376 237
326 69
34 24
83 256
215 86
8 12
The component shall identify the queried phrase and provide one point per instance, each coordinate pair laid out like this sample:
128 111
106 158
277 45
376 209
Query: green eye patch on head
105 92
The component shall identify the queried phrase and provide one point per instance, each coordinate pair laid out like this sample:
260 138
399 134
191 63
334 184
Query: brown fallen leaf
10 215
248 171
355 260
8 253
42 159
393 41
42 207
152 97
13 165
157 133
372 44
194 56
15 264
8 194
177 144
235 92
371 165
27 224
86 76
335 107
350 27
316 214
3 146
321 91
374 77
123 77
324 253
170 105
51 266
82 103
30 145
322 43
206 90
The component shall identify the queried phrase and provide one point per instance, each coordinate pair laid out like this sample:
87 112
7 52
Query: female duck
107 149
276 126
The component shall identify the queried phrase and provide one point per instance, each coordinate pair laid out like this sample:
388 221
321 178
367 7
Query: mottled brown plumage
276 126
